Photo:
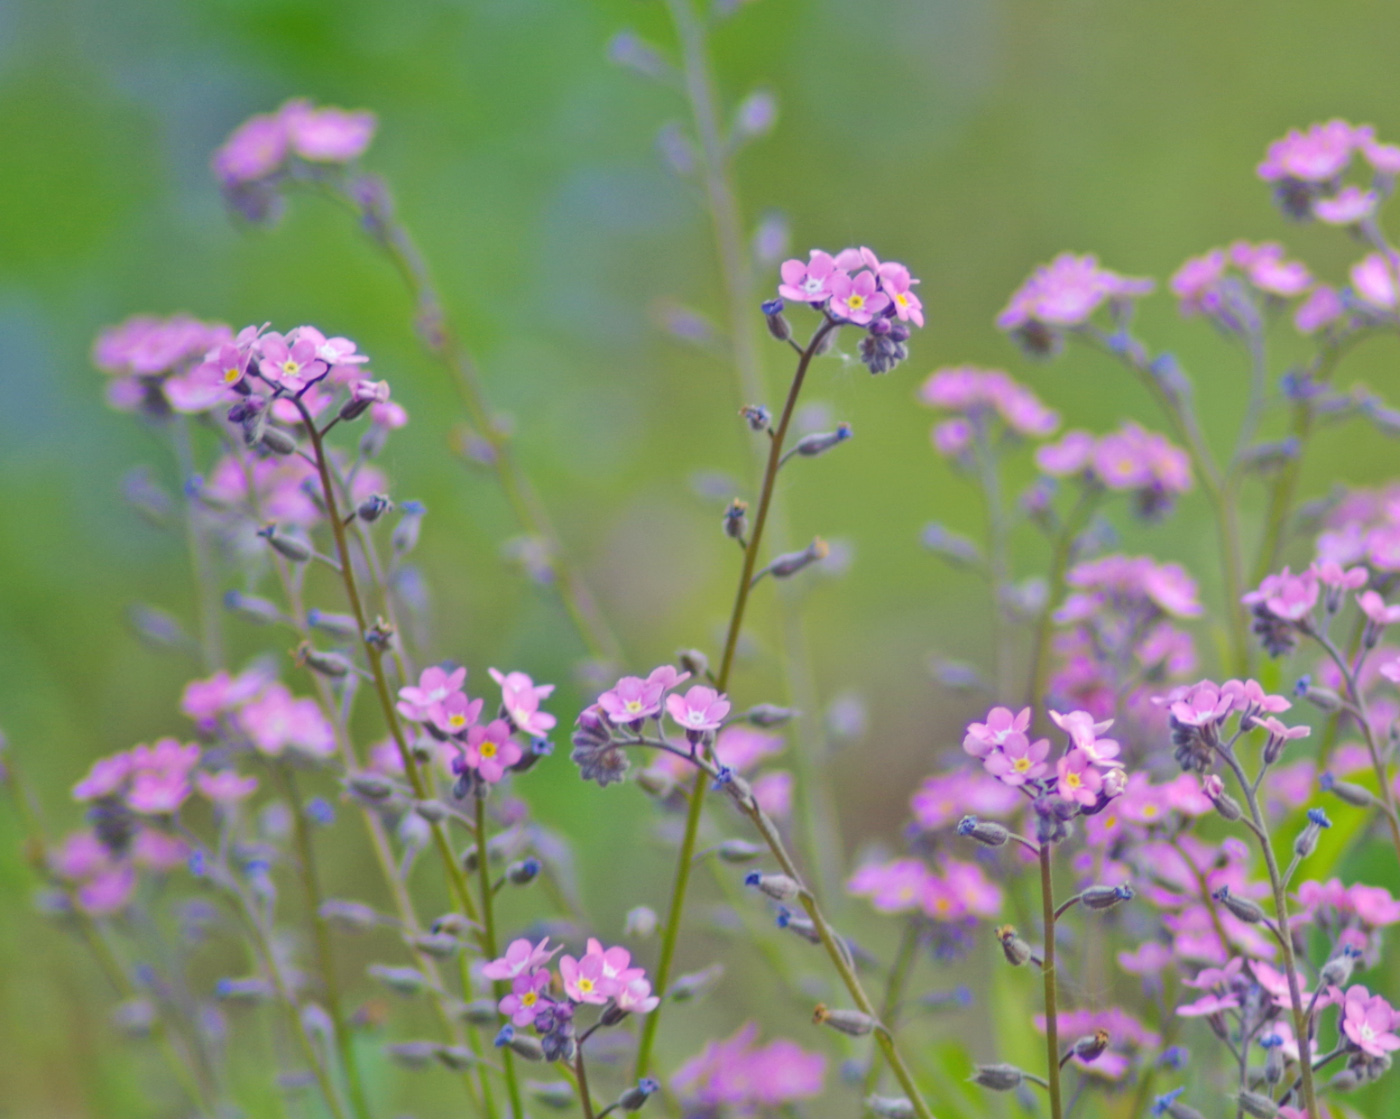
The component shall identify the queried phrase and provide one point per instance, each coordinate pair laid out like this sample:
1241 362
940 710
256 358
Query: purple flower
1369 1022
1315 156
326 135
736 1074
227 786
1373 280
254 150
1066 292
1019 760
491 750
702 709
1079 781
289 362
1350 206
982 738
275 720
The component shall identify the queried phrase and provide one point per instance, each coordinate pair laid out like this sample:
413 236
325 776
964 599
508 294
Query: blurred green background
970 138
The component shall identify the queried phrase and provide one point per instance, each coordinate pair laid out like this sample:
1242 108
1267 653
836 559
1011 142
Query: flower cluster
954 892
1210 284
1131 460
978 396
740 1074
1062 296
548 1003
1307 168
854 287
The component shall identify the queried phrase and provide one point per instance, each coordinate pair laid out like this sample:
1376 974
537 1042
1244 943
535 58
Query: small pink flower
105 777
205 700
1079 781
1066 292
435 684
634 996
667 676
1288 597
1348 206
1071 455
584 981
701 710
456 714
810 282
1375 608
527 992
227 786
1315 156
773 792
108 892
291 363
491 750
158 851
326 135
631 700
1369 1022
898 886
951 438
1019 760
1194 283
256 148
158 792
521 957
80 856
1321 308
1374 281
895 280
276 720
856 298
521 696
983 738
1209 1004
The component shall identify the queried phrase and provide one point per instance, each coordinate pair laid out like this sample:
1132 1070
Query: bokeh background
969 138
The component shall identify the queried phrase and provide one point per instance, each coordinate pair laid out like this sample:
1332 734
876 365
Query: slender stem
325 955
489 946
894 993
1285 937
997 558
584 1097
681 882
1047 971
206 593
1059 563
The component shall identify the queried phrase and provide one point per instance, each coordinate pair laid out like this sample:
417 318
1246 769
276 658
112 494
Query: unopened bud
1358 796
440 946
1106 897
779 887
804 927
456 1057
641 922
954 547
769 715
810 446
434 811
1016 950
736 521
1175 1109
693 661
373 507
479 1012
243 990
134 1017
278 441
1225 804
523 872
558 1094
986 832
999 1078
1246 910
400 980
349 916
738 851
1337 970
636 1096
890 1107
412 1054
293 548
523 1045
327 664
1259 1106
260 610
693 984
778 326
337 625
1324 699
1306 843
1091 1047
791 563
757 416
371 786
1345 1081
853 1023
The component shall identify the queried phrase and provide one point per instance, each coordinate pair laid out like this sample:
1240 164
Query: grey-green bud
999 1078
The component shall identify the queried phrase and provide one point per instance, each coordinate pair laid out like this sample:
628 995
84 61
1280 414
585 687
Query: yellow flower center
1022 764
906 893
231 374
855 302
1110 822
1072 779
1149 810
633 706
943 905
291 368
585 985
902 299
488 749
528 998
456 722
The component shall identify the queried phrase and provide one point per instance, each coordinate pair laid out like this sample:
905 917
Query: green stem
206 593
681 882
489 946
894 991
325 955
1052 1024
585 1099
1059 565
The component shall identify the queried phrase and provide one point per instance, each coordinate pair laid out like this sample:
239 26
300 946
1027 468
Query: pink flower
326 135
80 856
255 149
1150 958
1286 596
1079 781
158 792
895 280
1071 455
734 1074
810 282
667 677
1194 283
158 851
527 991
521 957
983 738
227 786
491 750
701 710
1369 1022
855 298
942 801
105 777
951 438
631 700
275 721
1019 760
1374 607
1084 733
1321 308
289 361
1268 271
1374 281
773 792
1203 705
1066 292
634 996
584 981
456 714
520 696
435 685
894 887
1209 1004
205 700
108 892
1315 156
741 747
1348 206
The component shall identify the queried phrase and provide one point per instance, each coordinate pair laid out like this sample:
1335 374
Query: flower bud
558 1094
244 990
1306 843
736 521
261 611
809 446
890 1107
757 416
769 714
370 785
954 547
1358 796
327 664
798 925
1090 1047
791 563
656 782
738 851
1106 897
1324 699
456 1057
853 1023
1246 910
1016 950
373 507
278 441
641 922
1214 789
1336 971
412 1054
291 547
693 984
999 1078
1259 1106
337 625
400 980
1175 1109
779 887
479 1012
778 326
434 811
693 661
134 1017
523 872
986 832
440 946
1345 1081
404 538
348 916
636 1096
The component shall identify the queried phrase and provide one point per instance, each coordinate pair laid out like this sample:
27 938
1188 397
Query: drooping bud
479 1012
769 714
853 1023
1214 789
890 1107
412 1054
1358 796
291 547
456 1057
262 611
798 925
373 507
1016 950
440 946
1259 1106
558 1094
809 446
327 664
986 832
736 521
337 625
524 872
738 851
1090 1047
789 564
757 416
349 916
1246 910
952 546
1337 970
278 441
1106 897
434 811
779 887
635 1098
693 661
1324 699
400 980
244 990
370 785
999 1078
522 1045
778 326
641 922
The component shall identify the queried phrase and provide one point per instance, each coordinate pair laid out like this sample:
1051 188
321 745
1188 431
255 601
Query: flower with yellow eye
527 997
491 750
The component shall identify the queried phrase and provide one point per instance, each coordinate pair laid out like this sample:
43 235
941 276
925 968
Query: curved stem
681 882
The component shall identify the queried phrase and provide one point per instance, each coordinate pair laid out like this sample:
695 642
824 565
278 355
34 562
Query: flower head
699 711
520 698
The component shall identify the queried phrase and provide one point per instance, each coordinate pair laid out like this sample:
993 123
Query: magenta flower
254 150
108 892
1373 280
521 957
894 887
1375 608
105 777
1019 760
1079 781
289 362
1320 309
434 686
1066 292
158 792
1369 1022
1195 283
520 697
810 282
734 1074
1209 1004
857 298
634 996
491 750
741 747
631 700
1286 596
1349 206
527 992
895 280
700 711
1070 455
1265 267
205 700
584 980
80 856
227 786
1315 156
773 793
951 438
975 892
275 721
1203 705
456 714
942 801
326 135
667 676
982 738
